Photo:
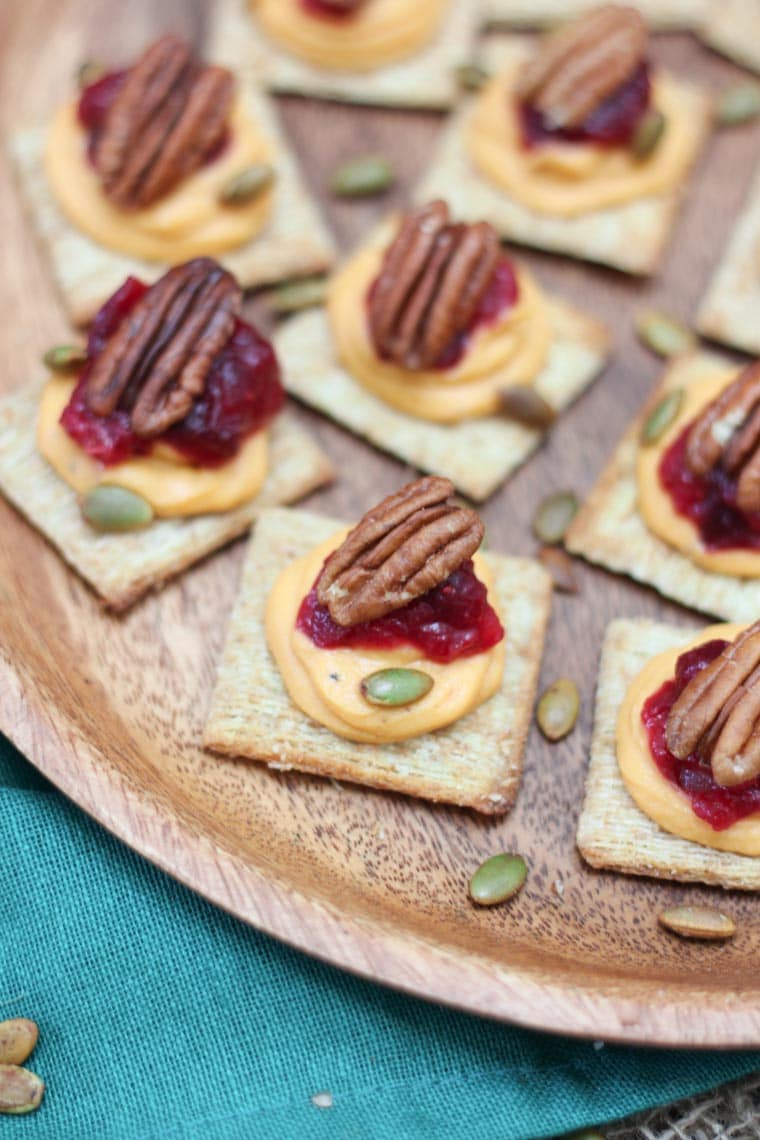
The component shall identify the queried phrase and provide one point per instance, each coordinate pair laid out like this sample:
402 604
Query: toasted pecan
718 713
432 280
406 545
168 115
156 363
727 434
582 63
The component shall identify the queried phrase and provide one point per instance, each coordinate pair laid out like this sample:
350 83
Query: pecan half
403 547
727 434
718 713
156 363
432 280
581 64
169 113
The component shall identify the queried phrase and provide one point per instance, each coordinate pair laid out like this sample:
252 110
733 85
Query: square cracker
294 243
660 14
477 455
630 237
609 530
425 80
476 762
613 833
122 567
732 27
729 311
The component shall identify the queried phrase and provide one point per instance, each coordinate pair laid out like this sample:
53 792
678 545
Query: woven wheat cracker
613 833
476 762
660 14
732 27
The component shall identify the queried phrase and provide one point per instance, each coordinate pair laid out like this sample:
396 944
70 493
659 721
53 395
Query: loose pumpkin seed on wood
648 134
297 295
553 516
663 335
472 76
557 710
395 688
362 177
498 879
113 509
737 105
21 1091
698 922
18 1037
247 185
65 357
662 416
527 406
560 566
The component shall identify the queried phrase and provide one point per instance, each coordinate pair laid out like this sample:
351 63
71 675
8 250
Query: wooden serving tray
111 709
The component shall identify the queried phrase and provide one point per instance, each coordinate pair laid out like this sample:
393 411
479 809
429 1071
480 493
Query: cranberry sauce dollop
720 807
500 296
327 11
708 501
243 393
455 619
612 123
95 103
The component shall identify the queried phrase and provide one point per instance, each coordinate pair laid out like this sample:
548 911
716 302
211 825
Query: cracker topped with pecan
581 64
727 437
433 278
404 547
170 113
717 716
156 363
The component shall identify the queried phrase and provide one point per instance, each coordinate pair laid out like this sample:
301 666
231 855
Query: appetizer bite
165 160
441 349
578 145
159 442
384 52
674 781
397 654
729 310
678 506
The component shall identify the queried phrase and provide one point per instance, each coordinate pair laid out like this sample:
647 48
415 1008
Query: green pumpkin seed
394 688
89 72
663 335
113 509
526 406
472 76
18 1037
247 185
65 357
20 1090
297 295
698 922
560 566
739 104
553 517
662 416
362 177
498 879
648 134
557 710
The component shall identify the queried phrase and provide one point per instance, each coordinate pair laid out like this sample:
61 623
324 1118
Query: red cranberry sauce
243 393
708 501
95 102
720 807
324 10
612 123
453 620
500 296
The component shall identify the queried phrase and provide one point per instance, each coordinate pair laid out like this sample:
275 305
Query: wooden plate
111 709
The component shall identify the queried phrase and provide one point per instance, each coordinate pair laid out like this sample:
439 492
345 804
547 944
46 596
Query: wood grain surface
111 709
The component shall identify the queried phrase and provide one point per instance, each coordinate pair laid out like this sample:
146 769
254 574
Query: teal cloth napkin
163 1018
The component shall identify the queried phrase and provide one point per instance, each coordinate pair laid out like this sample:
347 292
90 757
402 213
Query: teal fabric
164 1019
